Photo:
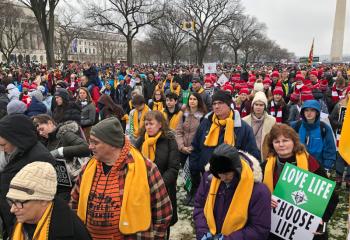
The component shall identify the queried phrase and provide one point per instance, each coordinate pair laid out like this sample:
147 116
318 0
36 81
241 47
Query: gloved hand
57 153
207 236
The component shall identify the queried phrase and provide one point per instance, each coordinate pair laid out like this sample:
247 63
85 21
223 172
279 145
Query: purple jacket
259 213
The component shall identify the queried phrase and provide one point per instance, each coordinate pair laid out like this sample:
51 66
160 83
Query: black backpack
322 125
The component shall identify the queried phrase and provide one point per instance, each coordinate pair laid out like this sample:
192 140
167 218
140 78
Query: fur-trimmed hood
253 162
68 126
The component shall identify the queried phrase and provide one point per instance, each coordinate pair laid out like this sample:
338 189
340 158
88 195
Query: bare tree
208 15
127 17
169 34
237 32
11 31
44 11
68 28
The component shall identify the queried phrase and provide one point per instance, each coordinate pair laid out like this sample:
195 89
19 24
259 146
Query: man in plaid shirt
98 194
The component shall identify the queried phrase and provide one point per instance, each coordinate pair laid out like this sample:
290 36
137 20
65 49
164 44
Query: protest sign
302 198
63 178
209 68
222 80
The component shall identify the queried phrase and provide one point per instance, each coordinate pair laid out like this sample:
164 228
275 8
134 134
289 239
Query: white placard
293 223
222 79
209 68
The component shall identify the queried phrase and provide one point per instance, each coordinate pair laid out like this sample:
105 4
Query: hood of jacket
314 104
251 160
19 130
68 126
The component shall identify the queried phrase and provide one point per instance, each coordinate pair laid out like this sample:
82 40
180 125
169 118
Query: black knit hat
222 96
63 93
225 159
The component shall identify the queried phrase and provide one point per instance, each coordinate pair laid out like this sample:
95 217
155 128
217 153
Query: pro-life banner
302 198
209 68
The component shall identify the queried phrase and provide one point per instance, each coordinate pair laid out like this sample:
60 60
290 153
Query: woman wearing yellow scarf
157 143
282 145
38 215
158 101
230 202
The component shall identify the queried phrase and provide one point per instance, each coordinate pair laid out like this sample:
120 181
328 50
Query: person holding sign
282 146
231 202
19 142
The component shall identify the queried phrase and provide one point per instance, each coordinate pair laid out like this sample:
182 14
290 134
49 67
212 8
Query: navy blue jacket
36 107
244 140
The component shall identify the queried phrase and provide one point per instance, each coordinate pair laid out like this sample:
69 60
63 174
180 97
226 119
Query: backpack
322 125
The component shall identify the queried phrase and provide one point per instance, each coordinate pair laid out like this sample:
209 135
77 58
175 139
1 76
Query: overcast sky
293 23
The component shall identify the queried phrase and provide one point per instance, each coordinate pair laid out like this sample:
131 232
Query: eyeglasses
18 204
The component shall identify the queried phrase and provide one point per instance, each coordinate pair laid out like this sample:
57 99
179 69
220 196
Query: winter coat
315 168
207 100
36 107
269 122
67 112
322 148
148 89
244 140
294 113
334 116
259 208
19 130
187 127
13 92
67 136
3 105
88 115
167 160
122 96
65 224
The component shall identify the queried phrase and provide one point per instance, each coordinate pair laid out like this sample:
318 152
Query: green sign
302 198
304 189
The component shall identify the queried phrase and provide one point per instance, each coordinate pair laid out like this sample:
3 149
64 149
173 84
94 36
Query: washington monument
338 31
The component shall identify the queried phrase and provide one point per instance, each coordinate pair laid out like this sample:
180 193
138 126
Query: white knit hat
258 87
260 96
35 181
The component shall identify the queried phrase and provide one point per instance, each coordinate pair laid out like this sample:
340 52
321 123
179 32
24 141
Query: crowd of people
124 133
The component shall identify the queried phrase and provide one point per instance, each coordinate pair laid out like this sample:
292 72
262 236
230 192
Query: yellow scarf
177 90
149 146
302 162
130 105
137 125
200 90
160 88
174 121
158 106
136 200
213 136
41 230
236 216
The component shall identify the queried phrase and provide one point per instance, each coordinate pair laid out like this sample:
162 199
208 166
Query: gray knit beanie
16 106
109 131
37 94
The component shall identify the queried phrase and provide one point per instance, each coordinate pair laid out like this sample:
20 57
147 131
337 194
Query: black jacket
20 131
67 136
148 89
65 224
167 159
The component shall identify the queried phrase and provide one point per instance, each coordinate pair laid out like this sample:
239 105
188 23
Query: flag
344 141
75 45
311 53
